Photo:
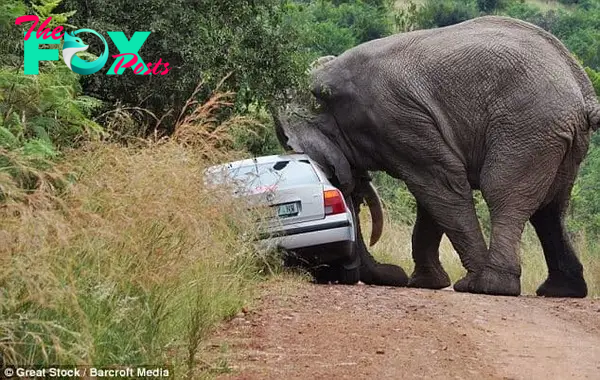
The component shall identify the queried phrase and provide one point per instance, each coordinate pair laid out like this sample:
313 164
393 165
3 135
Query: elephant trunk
376 209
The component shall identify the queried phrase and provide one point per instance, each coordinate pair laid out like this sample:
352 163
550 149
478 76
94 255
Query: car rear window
281 173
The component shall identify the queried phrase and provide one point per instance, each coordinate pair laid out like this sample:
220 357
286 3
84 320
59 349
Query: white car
311 218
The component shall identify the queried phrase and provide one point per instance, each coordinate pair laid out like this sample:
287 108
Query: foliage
150 258
407 18
439 13
133 266
201 40
46 107
332 27
585 43
595 78
11 47
200 127
46 8
398 201
489 6
39 114
568 2
533 14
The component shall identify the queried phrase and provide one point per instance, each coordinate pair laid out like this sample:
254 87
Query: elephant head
305 126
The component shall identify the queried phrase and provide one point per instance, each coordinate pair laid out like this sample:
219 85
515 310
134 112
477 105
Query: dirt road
364 332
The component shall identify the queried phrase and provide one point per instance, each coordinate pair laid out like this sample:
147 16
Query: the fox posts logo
128 56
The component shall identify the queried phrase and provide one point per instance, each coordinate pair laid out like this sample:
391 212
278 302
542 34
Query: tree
39 114
203 40
329 27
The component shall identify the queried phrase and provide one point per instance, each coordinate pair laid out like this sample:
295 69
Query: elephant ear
321 89
320 62
301 134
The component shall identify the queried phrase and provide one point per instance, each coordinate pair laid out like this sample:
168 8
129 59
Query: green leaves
203 41
39 114
439 13
585 198
332 27
46 8
595 78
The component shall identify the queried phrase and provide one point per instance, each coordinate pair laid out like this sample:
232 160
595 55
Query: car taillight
334 202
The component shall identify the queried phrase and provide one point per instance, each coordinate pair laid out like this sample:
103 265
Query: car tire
349 276
325 274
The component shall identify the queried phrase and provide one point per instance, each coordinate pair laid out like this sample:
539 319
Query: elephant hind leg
426 239
514 183
565 272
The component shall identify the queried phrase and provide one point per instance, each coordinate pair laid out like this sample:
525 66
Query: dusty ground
361 332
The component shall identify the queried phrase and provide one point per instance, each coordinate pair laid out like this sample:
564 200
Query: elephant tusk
376 209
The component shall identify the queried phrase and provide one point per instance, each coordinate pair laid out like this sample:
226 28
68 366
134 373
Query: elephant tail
594 116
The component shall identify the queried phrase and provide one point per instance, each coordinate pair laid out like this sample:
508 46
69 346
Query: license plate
288 209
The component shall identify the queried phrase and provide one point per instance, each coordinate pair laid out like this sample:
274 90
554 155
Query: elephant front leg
371 271
426 238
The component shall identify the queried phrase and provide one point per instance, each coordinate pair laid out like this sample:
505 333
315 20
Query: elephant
492 104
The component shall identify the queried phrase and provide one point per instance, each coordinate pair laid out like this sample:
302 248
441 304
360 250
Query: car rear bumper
309 234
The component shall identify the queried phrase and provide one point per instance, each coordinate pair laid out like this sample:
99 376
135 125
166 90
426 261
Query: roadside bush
398 202
568 2
332 27
490 6
39 115
595 78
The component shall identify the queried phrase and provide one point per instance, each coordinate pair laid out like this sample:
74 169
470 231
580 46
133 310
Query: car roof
261 160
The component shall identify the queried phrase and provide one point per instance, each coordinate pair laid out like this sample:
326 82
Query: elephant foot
384 275
429 278
560 285
464 284
490 280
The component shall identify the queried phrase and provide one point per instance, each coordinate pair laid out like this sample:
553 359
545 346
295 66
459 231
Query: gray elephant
493 103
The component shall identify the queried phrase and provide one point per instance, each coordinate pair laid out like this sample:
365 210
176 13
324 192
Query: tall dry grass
133 267
134 262
395 247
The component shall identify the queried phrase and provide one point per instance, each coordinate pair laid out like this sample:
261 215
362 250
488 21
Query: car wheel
349 271
325 274
349 276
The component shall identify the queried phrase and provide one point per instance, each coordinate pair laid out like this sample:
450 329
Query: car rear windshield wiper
280 165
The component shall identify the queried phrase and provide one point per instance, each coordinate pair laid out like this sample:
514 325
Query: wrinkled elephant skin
494 104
